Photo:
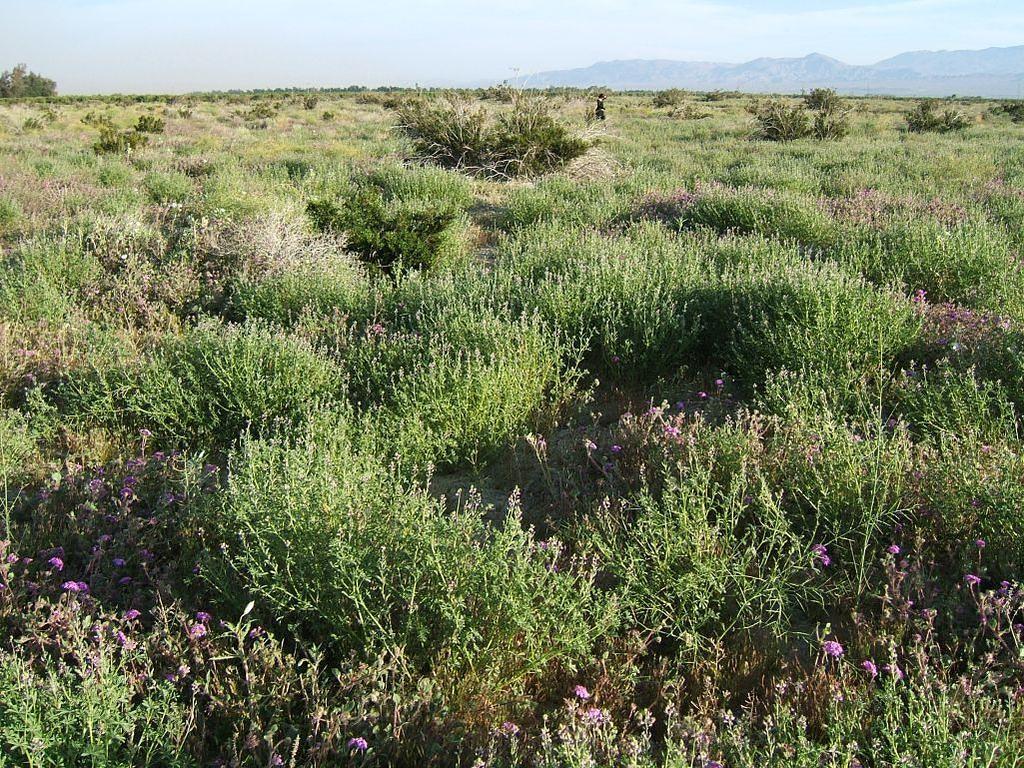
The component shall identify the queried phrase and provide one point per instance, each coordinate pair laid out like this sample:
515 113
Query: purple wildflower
204 617
509 729
616 449
832 648
595 716
581 693
820 552
358 743
892 549
119 562
124 641
894 670
869 666
75 586
132 614
56 563
980 543
972 580
197 631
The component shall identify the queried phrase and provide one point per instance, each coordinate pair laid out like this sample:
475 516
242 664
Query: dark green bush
822 99
149 124
113 141
397 220
1012 109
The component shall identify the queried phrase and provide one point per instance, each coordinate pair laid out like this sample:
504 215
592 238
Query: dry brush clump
821 117
924 119
524 139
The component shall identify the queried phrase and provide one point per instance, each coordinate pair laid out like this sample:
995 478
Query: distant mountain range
993 73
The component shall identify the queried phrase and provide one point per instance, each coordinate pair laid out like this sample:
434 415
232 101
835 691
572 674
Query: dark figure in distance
599 112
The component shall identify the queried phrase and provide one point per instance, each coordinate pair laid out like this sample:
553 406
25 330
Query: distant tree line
19 83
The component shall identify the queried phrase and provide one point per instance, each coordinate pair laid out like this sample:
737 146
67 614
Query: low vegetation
420 429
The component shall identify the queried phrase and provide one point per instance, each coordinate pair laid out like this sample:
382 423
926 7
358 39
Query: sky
174 46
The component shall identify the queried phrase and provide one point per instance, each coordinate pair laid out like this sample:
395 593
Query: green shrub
474 391
285 295
1012 109
208 387
777 120
830 124
113 141
398 220
46 279
310 101
814 320
85 710
671 97
10 215
259 112
352 557
679 557
823 99
149 124
17 445
923 118
168 187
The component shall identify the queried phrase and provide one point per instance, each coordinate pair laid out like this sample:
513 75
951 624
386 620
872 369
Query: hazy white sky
92 46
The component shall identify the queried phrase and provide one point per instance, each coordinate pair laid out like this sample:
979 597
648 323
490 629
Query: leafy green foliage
20 83
149 124
397 220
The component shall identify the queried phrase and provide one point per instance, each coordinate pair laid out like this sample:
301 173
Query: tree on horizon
20 83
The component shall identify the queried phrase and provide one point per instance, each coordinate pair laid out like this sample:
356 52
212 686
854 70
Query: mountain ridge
990 72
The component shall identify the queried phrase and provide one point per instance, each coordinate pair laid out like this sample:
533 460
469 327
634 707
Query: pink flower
892 549
894 670
972 580
980 543
820 552
125 642
869 666
581 693
509 729
197 631
832 648
56 563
